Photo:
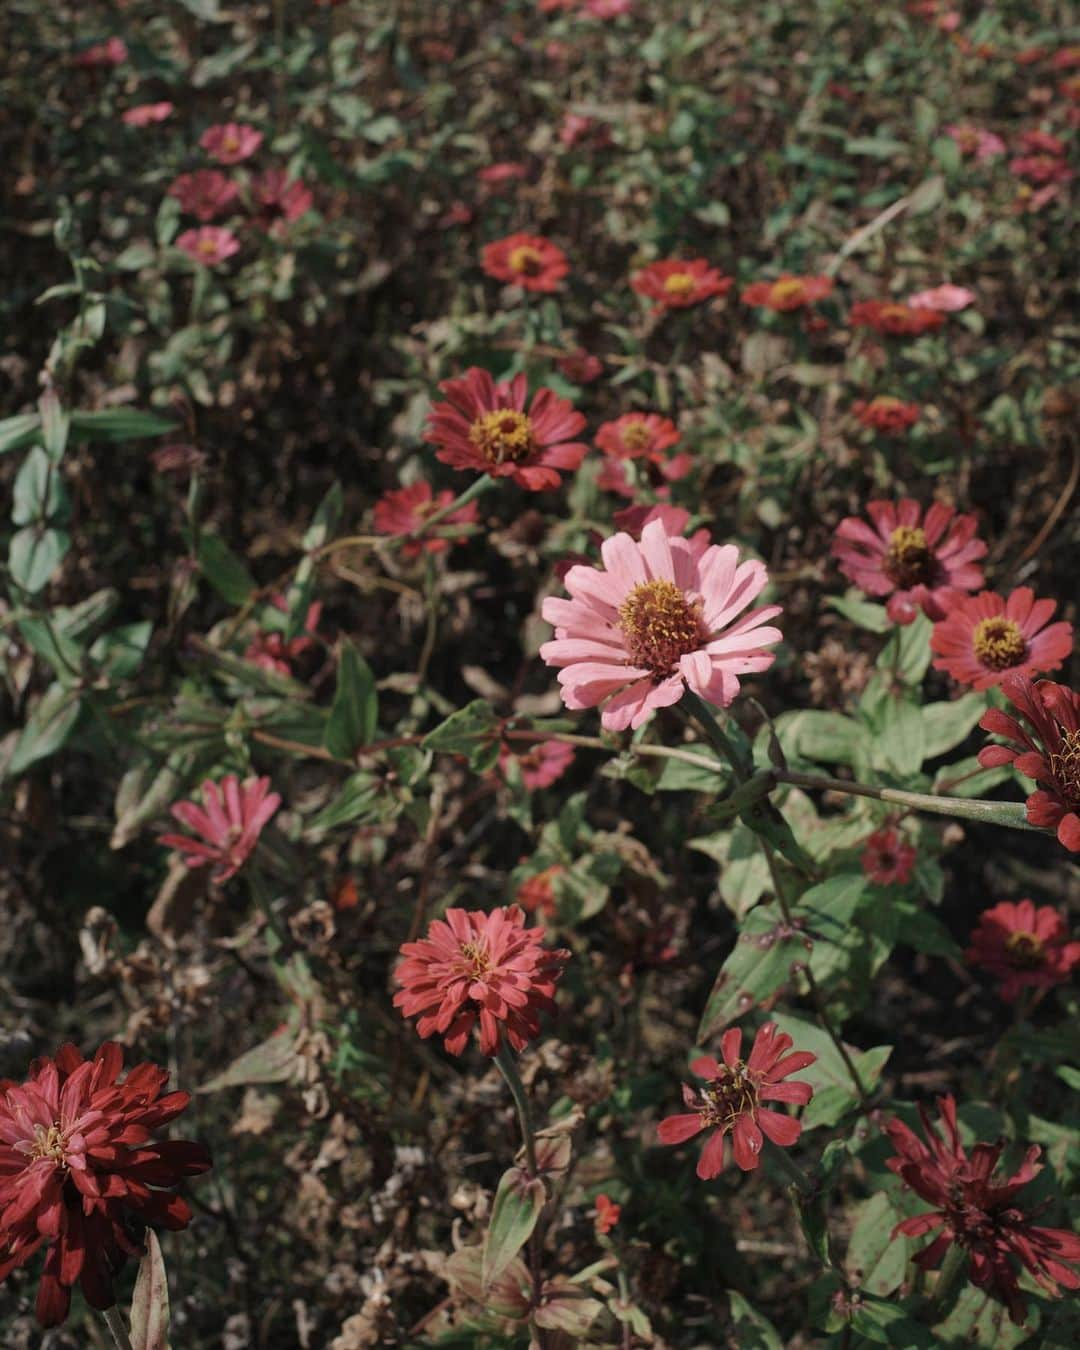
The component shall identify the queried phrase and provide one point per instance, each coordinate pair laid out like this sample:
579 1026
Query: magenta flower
204 194
278 198
945 299
230 142
146 114
658 618
208 245
228 823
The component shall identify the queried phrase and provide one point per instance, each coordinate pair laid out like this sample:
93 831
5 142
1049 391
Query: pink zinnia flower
402 515
230 142
109 53
976 141
607 9
1045 169
479 970
269 650
978 1212
730 1101
228 823
1035 141
675 284
208 245
1025 946
788 292
81 1174
505 171
526 260
1049 752
926 564
204 194
540 765
659 617
276 197
580 366
487 427
945 299
886 859
984 636
146 114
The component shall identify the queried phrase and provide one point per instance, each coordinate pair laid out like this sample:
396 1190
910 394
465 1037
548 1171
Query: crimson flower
204 194
983 636
541 765
109 53
505 171
230 142
675 284
229 822
1049 752
919 563
402 515
787 292
976 141
146 114
81 1174
272 651
1043 168
978 1212
891 416
730 1101
638 436
1024 945
208 245
476 969
278 198
538 892
886 859
580 366
894 318
487 426
526 260
608 1214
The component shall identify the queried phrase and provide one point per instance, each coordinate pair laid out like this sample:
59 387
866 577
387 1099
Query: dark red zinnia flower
608 1214
1025 945
985 636
487 427
479 970
204 194
891 416
538 892
81 1174
886 859
978 1212
730 1101
1049 752
787 292
403 513
675 284
638 436
526 260
580 366
894 318
919 563
278 199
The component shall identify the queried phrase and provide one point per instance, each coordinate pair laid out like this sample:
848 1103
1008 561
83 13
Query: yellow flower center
730 1096
908 561
788 289
1024 950
503 435
893 313
679 284
1065 765
526 260
476 955
887 403
635 437
208 247
49 1143
231 143
659 625
998 643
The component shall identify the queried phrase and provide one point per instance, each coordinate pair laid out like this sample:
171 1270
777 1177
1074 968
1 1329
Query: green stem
803 1184
715 734
952 1270
834 1036
507 1066
115 1323
260 893
483 484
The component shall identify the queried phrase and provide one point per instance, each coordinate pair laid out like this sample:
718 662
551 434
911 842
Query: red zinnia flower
208 245
788 292
917 563
146 114
1041 168
271 651
80 1173
277 197
886 859
505 171
204 194
538 893
977 1212
230 142
608 1214
730 1101
476 968
983 636
403 513
229 822
895 318
486 426
526 260
1025 946
638 436
1049 753
675 284
580 366
541 765
886 414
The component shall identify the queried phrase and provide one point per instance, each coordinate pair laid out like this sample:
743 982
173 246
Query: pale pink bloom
658 618
228 823
230 142
945 299
110 53
976 141
208 245
146 114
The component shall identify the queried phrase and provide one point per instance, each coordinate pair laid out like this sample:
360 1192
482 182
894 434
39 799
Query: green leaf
977 1319
744 869
38 493
753 1331
16 433
271 1061
55 423
834 1091
325 520
119 654
825 737
34 556
355 800
472 732
508 1296
227 573
875 1260
355 708
886 1324
945 725
50 643
150 1300
516 1208
47 728
118 424
758 966
899 746
906 655
863 613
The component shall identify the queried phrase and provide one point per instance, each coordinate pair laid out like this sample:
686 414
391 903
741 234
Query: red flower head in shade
918 563
526 260
204 194
977 1212
787 292
886 859
476 969
110 53
638 436
730 1101
538 892
229 822
891 416
208 245
230 142
1025 946
271 650
894 318
984 636
580 366
675 284
278 199
608 1214
81 1174
487 427
1049 752
146 114
402 515
540 765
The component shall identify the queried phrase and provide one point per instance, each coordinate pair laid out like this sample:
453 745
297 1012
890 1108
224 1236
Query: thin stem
715 734
507 1066
795 1174
951 1271
115 1323
483 484
833 1035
